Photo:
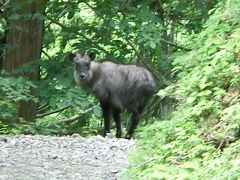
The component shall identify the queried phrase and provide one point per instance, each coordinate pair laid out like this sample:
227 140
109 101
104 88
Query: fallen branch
76 117
217 126
42 107
219 145
53 112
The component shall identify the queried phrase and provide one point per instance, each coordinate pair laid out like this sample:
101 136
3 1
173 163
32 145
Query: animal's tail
149 89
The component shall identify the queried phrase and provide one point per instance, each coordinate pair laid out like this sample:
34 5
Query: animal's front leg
116 117
105 110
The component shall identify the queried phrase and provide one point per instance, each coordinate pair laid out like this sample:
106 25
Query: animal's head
82 66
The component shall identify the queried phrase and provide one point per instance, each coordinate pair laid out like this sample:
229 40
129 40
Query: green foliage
142 32
201 139
13 90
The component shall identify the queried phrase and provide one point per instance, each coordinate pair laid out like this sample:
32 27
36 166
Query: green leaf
152 44
190 100
191 165
162 93
70 14
97 112
204 93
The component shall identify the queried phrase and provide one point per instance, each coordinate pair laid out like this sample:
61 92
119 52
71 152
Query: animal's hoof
118 135
128 136
105 132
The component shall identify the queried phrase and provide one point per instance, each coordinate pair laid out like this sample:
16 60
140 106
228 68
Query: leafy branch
69 29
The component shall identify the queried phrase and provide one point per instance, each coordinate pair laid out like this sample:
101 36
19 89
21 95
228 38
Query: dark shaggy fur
118 87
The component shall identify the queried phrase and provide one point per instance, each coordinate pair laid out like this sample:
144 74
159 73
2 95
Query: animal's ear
71 56
92 55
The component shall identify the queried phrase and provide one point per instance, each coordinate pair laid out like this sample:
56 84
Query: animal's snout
82 75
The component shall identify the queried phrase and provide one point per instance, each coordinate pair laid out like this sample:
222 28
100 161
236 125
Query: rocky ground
44 157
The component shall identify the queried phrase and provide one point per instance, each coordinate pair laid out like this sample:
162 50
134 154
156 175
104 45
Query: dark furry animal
118 87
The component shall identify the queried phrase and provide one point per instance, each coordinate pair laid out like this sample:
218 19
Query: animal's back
127 85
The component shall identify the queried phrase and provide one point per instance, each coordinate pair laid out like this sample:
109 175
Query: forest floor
26 157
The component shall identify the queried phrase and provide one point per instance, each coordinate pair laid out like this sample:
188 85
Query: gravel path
49 158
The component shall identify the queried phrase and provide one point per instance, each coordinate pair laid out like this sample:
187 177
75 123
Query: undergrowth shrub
12 91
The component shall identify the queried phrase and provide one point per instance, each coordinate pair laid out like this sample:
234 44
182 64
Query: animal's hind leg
142 106
105 110
116 117
135 118
133 124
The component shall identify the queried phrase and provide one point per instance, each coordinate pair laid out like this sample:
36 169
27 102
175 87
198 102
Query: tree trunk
24 39
2 42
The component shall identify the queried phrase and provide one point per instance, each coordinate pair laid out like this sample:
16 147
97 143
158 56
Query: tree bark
24 39
2 42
